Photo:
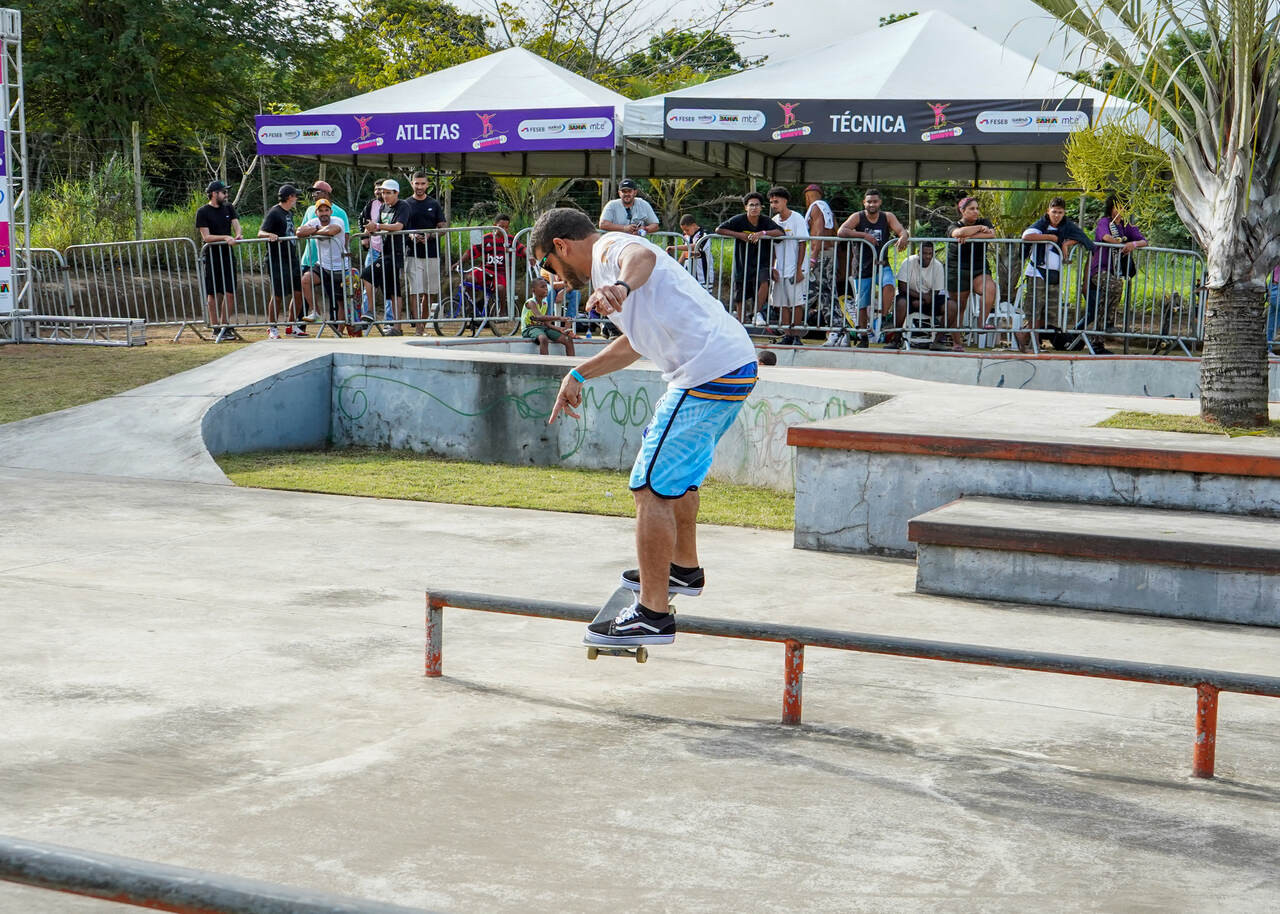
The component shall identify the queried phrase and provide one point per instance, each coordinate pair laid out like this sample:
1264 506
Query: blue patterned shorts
680 442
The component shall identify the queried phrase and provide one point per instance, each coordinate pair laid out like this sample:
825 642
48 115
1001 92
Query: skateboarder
709 364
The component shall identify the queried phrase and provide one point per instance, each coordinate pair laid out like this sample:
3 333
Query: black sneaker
689 583
863 342
634 625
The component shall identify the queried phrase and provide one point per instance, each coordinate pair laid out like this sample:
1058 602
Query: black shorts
935 310
385 275
750 277
219 273
331 283
285 280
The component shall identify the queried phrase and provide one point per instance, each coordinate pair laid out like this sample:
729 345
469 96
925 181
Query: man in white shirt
922 288
330 239
629 213
790 292
709 364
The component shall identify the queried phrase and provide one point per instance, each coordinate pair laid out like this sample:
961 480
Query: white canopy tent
928 58
514 80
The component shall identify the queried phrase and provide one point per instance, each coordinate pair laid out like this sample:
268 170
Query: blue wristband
577 376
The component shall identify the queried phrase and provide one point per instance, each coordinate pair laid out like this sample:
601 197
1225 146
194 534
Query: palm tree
1219 98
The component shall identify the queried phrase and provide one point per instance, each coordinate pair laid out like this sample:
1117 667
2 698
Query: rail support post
1206 731
435 636
794 684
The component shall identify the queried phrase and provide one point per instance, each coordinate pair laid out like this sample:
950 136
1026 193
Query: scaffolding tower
15 208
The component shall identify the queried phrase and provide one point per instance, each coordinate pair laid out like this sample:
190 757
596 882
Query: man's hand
272 236
632 229
569 397
371 227
904 241
775 275
607 299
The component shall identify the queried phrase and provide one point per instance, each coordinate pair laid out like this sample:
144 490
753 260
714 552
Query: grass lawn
37 378
1164 422
404 474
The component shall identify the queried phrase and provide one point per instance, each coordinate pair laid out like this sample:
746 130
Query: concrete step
1179 564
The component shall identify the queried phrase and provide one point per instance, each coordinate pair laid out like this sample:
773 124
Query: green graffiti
598 403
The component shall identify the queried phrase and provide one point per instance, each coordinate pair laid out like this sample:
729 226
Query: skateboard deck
618 601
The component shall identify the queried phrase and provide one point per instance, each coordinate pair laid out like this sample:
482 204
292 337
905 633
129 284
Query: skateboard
620 600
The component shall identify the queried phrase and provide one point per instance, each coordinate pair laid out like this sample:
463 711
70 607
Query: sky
802 24
1018 24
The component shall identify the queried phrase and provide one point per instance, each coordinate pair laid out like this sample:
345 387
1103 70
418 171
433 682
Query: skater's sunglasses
542 264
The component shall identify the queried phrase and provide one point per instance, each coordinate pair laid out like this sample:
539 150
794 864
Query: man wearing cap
218 226
282 262
422 265
393 216
311 253
330 238
822 262
629 213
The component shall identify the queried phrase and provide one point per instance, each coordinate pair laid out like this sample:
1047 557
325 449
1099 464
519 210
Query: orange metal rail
1207 683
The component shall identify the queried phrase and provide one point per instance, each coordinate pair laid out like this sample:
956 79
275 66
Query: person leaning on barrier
311 252
422 263
693 253
1053 236
219 226
1108 268
329 235
789 260
629 213
967 270
384 273
282 264
752 232
822 263
922 289
372 247
875 225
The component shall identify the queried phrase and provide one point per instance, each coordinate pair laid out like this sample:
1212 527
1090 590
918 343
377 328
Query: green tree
897 17
1221 104
386 42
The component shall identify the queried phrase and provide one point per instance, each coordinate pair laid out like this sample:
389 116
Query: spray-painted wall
491 410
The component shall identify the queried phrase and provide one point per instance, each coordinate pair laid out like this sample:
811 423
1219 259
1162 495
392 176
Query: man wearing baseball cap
393 216
282 262
219 226
822 259
629 213
311 253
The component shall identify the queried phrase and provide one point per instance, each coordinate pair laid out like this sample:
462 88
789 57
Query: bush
96 209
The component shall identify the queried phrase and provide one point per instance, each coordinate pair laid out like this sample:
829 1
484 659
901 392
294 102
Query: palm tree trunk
1233 371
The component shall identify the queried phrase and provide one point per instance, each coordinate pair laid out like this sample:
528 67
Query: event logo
489 136
367 138
299 134
791 126
557 128
1032 121
716 119
942 129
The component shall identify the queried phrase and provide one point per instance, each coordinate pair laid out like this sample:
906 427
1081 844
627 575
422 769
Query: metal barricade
155 280
50 288
1152 294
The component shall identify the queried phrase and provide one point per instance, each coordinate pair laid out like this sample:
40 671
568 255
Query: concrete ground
232 680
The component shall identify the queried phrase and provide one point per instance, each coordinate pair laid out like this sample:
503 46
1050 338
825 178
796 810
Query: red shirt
486 263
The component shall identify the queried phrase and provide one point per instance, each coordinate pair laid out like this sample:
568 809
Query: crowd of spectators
788 273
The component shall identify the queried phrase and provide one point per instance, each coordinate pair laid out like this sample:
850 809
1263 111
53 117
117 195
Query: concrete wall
288 410
857 501
1138 376
494 410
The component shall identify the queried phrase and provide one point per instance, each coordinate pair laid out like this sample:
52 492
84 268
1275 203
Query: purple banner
523 130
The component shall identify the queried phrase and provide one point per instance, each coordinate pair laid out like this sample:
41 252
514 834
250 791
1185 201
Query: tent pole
606 187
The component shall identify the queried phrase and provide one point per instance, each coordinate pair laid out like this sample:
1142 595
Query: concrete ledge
1219 462
1177 564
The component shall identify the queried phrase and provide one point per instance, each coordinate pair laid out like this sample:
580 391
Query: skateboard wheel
593 653
642 654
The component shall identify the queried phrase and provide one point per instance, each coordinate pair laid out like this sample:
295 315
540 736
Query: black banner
982 122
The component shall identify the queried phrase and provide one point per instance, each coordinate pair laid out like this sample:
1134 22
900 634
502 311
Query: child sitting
536 324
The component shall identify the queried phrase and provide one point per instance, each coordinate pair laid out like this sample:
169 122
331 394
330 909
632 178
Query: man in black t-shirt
393 216
282 261
752 255
876 226
219 229
422 265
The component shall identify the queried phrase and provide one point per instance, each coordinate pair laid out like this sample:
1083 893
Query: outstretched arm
616 355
